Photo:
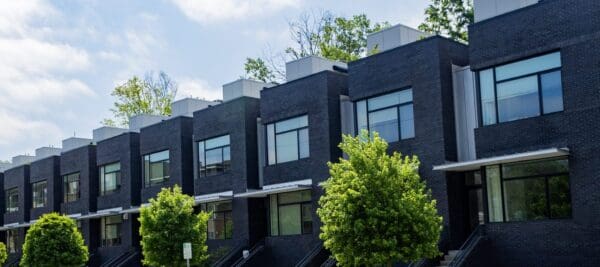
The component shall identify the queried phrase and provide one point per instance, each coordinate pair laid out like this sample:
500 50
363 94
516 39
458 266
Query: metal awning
101 213
131 210
213 197
277 188
476 164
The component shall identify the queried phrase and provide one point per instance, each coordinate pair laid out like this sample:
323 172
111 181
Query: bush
54 241
167 223
3 253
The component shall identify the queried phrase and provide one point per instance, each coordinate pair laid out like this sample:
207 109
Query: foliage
54 240
167 223
376 209
3 253
152 95
450 18
319 34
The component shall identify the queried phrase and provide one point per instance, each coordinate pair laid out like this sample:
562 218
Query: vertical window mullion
399 123
496 106
540 100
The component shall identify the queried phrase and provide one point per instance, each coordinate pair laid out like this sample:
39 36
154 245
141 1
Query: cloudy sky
59 60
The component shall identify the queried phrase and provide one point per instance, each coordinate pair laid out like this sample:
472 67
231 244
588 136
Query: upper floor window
522 89
71 187
220 224
287 140
111 230
39 194
12 199
391 115
532 190
110 178
291 213
156 168
214 156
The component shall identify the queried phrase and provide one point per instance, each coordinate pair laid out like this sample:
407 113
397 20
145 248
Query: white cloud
209 11
197 88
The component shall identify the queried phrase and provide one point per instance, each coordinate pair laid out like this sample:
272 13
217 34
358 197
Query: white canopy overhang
213 197
277 188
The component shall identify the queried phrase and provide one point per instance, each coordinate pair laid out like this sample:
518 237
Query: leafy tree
54 240
3 253
319 34
376 210
449 17
152 95
167 223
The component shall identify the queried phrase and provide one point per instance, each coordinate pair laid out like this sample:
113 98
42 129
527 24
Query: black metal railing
258 247
317 253
230 256
467 247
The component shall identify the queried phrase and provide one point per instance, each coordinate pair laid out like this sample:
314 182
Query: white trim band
277 188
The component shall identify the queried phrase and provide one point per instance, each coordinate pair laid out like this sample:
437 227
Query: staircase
448 258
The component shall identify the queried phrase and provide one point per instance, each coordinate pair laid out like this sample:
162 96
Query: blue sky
59 60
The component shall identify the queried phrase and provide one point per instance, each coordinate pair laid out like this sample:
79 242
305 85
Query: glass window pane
303 143
226 158
525 199
306 218
527 66
112 167
560 196
392 99
552 92
535 168
292 197
271 143
201 161
291 124
156 171
163 155
494 195
289 217
147 170
214 156
274 215
518 99
110 181
407 122
488 100
287 146
385 122
361 115
217 142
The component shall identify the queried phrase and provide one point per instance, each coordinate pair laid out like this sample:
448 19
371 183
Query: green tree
54 240
319 34
151 95
3 253
167 223
450 18
376 210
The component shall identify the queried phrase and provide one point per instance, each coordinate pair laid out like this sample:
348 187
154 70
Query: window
39 194
71 187
11 241
526 191
156 168
111 230
522 89
214 156
288 140
391 115
220 224
110 178
291 213
12 200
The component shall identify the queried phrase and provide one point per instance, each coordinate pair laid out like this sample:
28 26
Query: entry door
475 199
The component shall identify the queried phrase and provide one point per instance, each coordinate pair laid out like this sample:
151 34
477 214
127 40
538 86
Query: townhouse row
506 129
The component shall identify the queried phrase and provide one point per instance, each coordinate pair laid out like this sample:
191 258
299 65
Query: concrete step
448 257
445 263
453 253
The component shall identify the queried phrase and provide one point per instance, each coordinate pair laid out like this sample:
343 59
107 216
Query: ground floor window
291 213
220 223
532 190
11 241
111 230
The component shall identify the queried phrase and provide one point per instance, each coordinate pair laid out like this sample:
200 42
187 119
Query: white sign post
187 252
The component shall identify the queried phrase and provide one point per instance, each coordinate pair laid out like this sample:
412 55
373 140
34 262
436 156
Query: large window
526 191
214 156
71 187
291 213
390 115
11 241
220 224
39 194
288 140
110 178
156 168
111 230
12 200
521 89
